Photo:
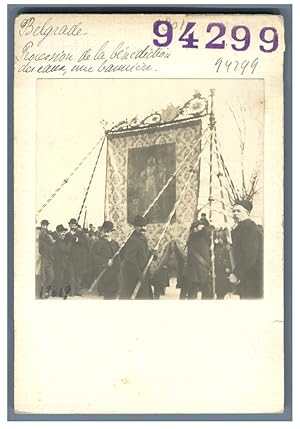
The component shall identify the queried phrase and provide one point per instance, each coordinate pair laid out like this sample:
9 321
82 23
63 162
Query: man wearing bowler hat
103 252
60 262
46 252
247 248
136 255
77 243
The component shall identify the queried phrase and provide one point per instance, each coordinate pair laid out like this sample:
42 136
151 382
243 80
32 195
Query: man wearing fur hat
136 255
247 248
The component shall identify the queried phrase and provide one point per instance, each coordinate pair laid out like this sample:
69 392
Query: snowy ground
171 293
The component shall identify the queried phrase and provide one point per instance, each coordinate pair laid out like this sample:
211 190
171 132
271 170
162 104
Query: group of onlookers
70 261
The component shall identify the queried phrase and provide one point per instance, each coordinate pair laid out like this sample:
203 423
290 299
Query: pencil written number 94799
239 67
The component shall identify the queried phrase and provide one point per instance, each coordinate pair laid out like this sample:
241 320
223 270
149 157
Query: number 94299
240 36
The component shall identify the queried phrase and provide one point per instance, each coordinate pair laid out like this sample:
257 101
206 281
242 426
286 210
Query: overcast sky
69 112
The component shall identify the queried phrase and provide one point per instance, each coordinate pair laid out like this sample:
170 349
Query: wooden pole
222 195
84 219
197 215
212 126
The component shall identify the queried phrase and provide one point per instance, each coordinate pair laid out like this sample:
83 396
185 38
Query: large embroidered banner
139 162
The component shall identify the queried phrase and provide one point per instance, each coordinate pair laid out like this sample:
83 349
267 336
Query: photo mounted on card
148 159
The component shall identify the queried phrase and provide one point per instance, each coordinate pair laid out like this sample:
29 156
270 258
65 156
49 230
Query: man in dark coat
135 257
77 245
159 273
60 262
222 263
85 252
197 268
247 248
92 271
103 251
45 249
37 263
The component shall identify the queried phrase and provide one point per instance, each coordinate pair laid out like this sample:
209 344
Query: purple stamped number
273 40
222 30
188 36
240 33
163 29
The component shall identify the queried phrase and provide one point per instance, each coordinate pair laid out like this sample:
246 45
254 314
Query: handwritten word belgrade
28 27
240 36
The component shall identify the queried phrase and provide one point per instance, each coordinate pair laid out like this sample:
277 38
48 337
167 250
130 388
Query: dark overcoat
103 250
222 268
92 273
46 252
247 247
60 263
135 257
197 265
45 245
78 251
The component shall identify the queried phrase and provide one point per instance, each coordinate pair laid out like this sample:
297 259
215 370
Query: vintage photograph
149 189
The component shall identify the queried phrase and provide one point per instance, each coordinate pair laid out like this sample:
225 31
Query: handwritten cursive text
29 27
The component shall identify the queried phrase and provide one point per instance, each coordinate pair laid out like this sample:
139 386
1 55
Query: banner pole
212 126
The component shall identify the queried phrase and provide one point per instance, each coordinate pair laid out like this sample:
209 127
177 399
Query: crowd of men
71 260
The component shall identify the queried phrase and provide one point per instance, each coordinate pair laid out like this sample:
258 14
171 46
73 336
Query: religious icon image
148 171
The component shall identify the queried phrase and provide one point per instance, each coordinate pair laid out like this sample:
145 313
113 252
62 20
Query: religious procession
160 237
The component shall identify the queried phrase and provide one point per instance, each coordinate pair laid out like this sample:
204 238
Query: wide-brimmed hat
107 226
139 221
61 228
45 222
